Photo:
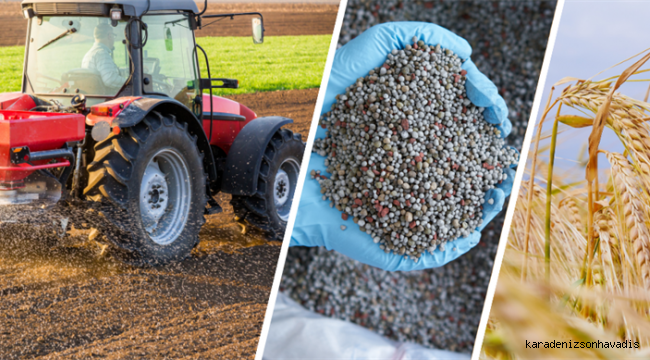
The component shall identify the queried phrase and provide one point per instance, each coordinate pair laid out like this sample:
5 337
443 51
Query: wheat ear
626 186
605 227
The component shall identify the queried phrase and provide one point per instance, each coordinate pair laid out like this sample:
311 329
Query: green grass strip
11 67
280 63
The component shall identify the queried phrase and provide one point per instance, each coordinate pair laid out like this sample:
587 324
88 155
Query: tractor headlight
116 14
28 13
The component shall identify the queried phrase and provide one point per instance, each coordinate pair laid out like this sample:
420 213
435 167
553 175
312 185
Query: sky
592 36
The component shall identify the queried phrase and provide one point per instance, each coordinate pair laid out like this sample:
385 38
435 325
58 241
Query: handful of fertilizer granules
410 156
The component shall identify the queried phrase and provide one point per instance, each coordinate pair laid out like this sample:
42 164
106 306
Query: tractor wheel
151 183
269 208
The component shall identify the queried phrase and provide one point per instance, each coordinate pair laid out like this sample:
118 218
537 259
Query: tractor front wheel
268 209
151 183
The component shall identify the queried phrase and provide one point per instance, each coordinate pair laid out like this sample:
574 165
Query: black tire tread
253 209
109 175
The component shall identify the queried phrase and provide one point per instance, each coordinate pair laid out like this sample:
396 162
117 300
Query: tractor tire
268 209
149 182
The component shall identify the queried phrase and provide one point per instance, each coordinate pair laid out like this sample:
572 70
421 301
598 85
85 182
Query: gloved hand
319 225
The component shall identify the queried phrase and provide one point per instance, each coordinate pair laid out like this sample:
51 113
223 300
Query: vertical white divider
301 181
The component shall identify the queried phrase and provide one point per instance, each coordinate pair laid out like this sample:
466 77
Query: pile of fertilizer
410 156
438 308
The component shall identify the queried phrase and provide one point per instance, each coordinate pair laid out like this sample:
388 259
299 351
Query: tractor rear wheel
151 183
268 209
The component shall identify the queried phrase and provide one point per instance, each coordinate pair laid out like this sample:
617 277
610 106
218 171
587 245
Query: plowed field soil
294 104
279 19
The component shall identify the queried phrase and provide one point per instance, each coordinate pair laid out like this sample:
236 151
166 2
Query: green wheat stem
549 194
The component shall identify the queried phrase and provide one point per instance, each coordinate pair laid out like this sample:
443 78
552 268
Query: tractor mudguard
137 110
245 156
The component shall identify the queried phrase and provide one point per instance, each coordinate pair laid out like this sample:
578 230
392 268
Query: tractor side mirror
258 30
225 84
169 43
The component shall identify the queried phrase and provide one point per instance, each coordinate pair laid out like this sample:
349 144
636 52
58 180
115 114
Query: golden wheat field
576 272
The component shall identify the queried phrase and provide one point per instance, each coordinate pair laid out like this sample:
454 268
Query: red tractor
141 151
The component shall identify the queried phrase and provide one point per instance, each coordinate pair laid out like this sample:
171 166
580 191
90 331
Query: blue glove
319 225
